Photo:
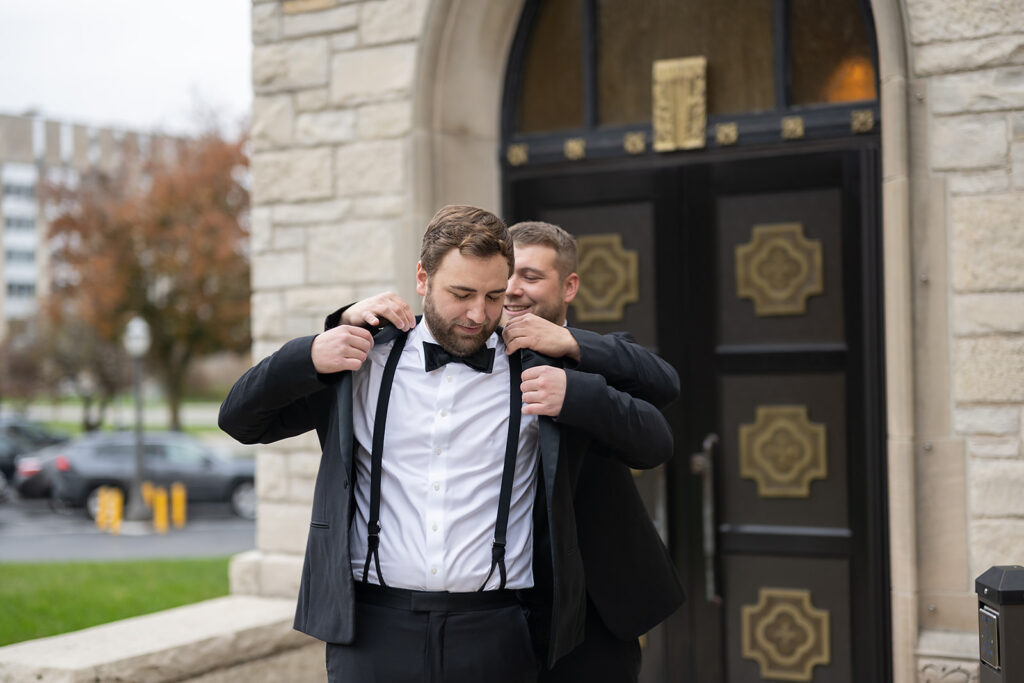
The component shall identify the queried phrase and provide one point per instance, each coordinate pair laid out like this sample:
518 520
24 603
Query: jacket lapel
343 402
550 433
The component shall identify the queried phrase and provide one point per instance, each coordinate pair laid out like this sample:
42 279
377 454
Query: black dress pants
451 645
602 657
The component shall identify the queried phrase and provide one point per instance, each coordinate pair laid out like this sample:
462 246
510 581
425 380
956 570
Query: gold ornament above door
779 269
679 98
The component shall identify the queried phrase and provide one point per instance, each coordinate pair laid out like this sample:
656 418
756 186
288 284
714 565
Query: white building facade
33 153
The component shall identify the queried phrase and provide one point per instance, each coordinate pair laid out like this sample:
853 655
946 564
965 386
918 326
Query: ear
421 279
571 287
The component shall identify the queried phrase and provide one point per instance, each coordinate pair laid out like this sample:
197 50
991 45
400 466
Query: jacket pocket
320 525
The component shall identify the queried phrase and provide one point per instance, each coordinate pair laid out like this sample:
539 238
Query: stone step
225 639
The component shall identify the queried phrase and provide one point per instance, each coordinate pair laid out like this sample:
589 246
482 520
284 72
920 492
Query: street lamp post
136 343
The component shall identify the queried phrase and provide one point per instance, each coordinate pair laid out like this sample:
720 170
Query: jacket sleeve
277 398
627 366
334 319
636 431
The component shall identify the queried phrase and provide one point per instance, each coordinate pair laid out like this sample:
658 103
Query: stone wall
967 150
332 195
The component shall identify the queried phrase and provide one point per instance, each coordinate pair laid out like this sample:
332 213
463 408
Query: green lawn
75 428
46 599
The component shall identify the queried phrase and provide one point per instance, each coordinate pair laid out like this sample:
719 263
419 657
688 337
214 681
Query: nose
514 287
476 312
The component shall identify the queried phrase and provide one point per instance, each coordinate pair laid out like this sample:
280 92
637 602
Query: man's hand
529 331
543 390
387 306
341 348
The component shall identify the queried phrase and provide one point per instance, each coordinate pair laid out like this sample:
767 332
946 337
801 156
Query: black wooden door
759 279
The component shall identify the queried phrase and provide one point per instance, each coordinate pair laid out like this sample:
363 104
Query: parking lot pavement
31 532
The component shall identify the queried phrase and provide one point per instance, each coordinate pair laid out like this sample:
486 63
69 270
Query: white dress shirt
444 450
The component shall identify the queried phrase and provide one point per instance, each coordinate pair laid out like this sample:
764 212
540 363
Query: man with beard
632 584
436 445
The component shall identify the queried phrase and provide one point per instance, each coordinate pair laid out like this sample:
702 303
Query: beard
448 337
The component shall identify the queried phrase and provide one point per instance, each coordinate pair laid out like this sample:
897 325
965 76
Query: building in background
35 151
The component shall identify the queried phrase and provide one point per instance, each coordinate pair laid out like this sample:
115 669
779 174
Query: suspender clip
373 536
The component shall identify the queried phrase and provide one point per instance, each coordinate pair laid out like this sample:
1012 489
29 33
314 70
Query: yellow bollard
160 509
101 508
147 493
116 509
179 502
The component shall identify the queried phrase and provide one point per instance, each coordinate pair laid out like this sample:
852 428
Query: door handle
703 463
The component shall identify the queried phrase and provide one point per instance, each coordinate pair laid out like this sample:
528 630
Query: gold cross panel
609 278
785 634
779 269
783 451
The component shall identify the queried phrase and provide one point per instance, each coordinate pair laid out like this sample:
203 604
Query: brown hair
539 232
473 231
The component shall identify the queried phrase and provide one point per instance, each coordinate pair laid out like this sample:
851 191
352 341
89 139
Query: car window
186 454
127 451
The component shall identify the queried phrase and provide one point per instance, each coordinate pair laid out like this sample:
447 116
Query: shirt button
433 526
449 378
437 487
444 413
433 570
437 451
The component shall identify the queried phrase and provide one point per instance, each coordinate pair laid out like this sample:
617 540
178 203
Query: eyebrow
470 290
527 270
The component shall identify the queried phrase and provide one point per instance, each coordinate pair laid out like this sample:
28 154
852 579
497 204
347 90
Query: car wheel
243 500
92 501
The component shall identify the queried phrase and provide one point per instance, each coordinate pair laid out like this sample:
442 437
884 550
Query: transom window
585 66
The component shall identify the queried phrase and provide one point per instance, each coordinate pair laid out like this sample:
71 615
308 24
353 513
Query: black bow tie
482 360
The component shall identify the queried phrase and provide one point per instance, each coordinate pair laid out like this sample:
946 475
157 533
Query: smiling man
631 582
436 445
544 281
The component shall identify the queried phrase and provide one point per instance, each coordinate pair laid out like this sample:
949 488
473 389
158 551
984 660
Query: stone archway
455 151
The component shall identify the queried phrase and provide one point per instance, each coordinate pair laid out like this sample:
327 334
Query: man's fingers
357 337
403 318
535 372
513 346
349 351
533 396
370 319
398 313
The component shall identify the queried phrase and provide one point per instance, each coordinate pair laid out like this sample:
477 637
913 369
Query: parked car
34 471
108 459
19 435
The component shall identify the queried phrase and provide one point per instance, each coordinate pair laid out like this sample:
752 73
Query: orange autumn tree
168 244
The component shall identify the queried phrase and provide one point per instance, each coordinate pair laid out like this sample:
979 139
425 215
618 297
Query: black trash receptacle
1001 624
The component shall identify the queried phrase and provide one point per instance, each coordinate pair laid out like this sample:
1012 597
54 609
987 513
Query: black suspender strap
515 370
379 422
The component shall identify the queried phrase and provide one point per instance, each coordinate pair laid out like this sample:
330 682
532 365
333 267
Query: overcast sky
136 64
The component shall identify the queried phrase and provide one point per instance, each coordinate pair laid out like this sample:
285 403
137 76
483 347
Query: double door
758 278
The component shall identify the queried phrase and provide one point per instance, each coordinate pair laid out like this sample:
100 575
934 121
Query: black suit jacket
284 396
630 576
